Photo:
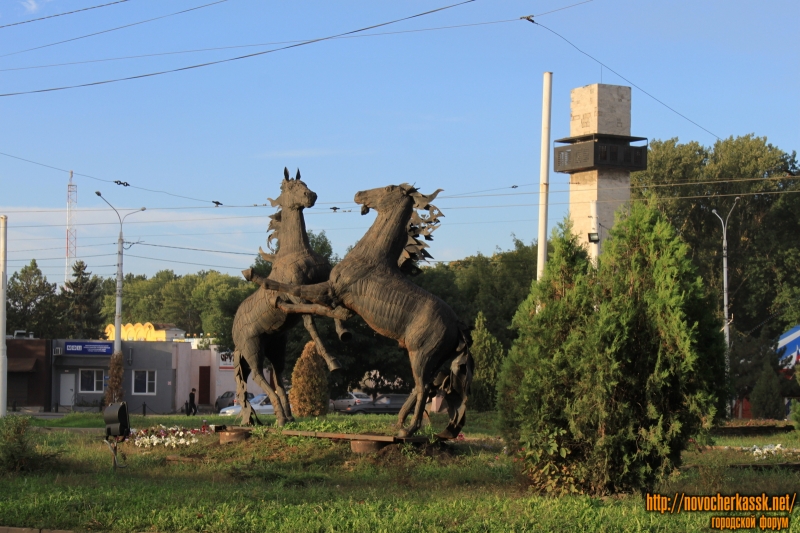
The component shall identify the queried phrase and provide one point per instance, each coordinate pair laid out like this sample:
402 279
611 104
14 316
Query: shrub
615 368
488 354
309 393
766 400
17 453
114 391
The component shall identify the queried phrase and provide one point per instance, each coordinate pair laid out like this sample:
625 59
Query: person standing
192 406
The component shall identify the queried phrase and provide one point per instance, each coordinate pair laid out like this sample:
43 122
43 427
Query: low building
29 374
157 375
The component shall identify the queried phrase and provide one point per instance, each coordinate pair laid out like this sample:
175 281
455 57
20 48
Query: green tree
33 305
766 400
309 393
763 229
488 354
84 300
616 368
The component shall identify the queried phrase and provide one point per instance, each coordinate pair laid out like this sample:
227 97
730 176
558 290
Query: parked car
261 405
351 398
385 403
228 399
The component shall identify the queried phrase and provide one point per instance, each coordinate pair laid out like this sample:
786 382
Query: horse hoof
405 433
447 434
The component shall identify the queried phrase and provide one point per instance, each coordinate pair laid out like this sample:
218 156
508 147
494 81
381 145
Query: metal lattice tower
72 201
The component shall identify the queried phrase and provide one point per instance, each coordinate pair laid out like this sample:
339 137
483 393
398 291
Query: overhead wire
273 43
458 196
237 58
531 20
112 29
61 14
106 180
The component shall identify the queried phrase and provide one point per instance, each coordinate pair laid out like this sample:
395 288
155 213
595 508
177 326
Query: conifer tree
114 391
766 400
309 393
488 354
615 368
84 298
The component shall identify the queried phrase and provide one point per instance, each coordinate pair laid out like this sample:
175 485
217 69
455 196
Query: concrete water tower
599 158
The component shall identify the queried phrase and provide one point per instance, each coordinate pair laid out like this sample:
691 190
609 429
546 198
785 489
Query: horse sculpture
370 282
262 321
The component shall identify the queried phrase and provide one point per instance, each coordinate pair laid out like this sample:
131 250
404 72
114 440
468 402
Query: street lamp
725 290
118 314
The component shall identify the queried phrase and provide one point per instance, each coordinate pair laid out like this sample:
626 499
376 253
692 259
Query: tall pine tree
84 298
488 354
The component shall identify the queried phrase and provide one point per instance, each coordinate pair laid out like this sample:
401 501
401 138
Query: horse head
392 196
295 194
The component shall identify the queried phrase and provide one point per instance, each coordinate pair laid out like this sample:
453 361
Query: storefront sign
226 360
88 348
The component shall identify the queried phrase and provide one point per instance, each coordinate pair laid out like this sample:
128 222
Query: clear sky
457 109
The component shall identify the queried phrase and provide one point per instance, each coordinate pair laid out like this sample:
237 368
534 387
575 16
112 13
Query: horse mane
420 225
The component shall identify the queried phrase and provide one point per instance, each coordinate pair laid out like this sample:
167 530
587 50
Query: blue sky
457 109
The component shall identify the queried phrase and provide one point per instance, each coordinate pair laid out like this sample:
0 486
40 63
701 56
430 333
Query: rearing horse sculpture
262 321
369 281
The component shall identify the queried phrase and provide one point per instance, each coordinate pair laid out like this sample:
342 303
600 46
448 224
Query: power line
182 262
112 29
251 254
105 180
255 45
59 258
273 43
61 14
230 59
530 19
312 211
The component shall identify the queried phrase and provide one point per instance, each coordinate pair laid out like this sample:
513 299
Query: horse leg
406 410
333 363
242 370
417 396
461 370
275 352
252 356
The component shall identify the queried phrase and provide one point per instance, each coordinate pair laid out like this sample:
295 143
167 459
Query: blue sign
88 348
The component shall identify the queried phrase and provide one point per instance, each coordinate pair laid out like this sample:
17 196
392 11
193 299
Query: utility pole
544 174
72 200
118 312
3 287
727 327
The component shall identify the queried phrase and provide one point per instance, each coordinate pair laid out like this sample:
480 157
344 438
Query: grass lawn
276 483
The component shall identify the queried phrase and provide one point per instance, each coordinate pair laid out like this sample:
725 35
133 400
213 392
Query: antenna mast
72 200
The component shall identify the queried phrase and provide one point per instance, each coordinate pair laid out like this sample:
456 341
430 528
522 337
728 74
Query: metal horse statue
262 321
370 281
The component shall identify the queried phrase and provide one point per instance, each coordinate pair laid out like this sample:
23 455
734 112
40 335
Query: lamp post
118 313
725 291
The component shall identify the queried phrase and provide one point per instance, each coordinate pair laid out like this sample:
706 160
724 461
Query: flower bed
169 437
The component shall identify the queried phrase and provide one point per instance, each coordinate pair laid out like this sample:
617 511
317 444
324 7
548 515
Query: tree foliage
763 229
766 400
33 304
84 304
309 393
488 354
614 368
115 391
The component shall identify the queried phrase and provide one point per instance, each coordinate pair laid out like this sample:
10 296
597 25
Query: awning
86 361
21 364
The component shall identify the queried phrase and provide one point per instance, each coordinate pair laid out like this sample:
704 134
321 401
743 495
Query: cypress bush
488 354
615 367
309 393
766 400
114 391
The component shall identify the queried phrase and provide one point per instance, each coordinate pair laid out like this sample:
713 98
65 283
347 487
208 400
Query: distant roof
791 342
164 325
